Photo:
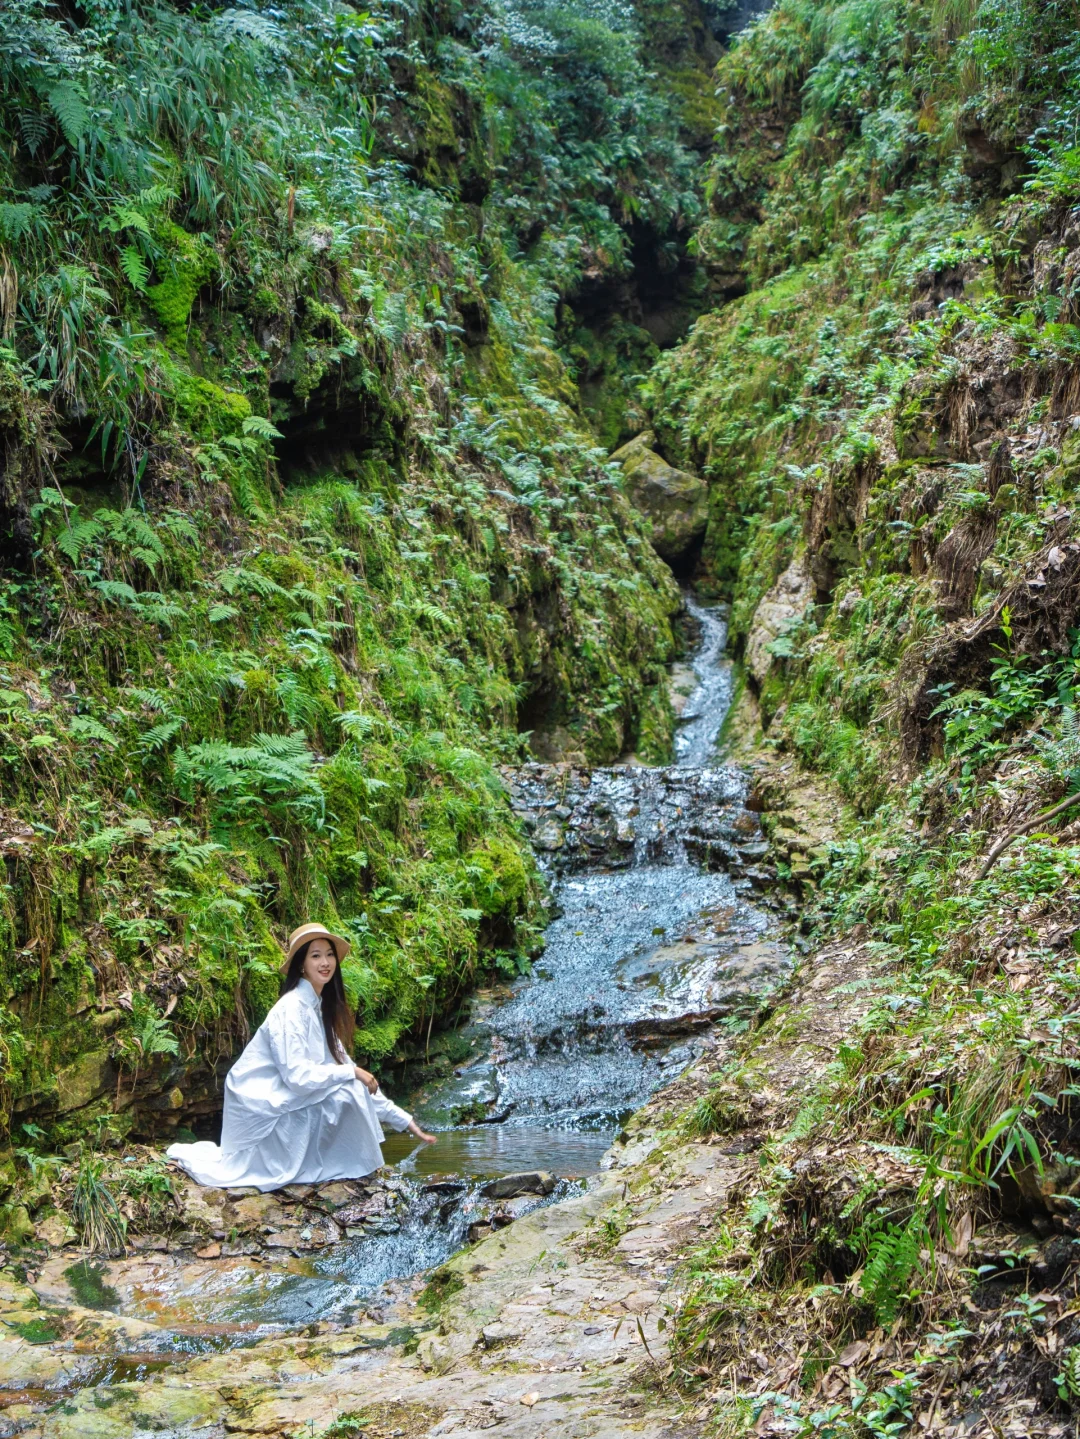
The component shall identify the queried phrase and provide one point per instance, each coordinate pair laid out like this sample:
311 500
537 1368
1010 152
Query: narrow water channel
656 936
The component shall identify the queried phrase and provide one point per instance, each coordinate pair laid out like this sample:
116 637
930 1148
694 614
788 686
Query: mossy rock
675 501
16 1226
206 408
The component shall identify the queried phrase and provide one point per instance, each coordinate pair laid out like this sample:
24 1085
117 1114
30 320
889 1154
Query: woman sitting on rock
297 1109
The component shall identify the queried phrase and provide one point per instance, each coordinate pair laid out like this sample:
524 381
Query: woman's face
319 964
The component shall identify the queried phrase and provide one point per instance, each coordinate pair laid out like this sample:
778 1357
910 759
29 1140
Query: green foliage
891 1261
317 515
94 1208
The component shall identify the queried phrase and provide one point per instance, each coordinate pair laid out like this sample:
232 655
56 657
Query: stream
658 934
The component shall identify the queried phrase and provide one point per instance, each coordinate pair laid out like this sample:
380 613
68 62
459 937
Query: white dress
293 1114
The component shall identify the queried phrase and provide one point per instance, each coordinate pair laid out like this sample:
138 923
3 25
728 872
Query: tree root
998 849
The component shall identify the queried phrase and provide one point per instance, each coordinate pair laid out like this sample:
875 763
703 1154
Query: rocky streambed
659 934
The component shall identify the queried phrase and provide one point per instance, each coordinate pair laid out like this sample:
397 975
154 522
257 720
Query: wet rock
334 1196
675 501
197 1214
438 1185
238 1250
84 1081
496 1334
779 610
284 1239
509 1186
55 1231
549 835
259 1211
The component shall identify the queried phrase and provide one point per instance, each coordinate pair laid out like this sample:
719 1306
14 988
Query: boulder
84 1081
675 501
509 1186
777 611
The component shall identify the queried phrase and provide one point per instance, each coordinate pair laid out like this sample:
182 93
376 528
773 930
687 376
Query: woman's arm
301 1067
398 1118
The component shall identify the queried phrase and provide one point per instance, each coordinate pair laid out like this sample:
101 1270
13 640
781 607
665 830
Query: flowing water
657 936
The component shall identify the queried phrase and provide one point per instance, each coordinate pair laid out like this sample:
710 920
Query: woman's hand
370 1083
414 1128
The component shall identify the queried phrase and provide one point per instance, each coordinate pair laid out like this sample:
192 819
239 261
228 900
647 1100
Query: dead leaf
962 1231
173 1001
1056 558
853 1353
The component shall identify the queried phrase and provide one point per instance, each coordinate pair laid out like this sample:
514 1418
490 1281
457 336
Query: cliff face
886 415
301 528
886 410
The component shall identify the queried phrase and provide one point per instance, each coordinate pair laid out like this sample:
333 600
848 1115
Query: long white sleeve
291 1050
390 1113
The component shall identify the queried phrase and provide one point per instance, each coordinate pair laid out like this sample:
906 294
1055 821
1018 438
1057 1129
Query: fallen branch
1021 829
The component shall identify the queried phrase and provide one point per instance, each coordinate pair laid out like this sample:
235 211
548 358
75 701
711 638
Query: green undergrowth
887 418
301 531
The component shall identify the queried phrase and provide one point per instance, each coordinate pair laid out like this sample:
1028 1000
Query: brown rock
212 1251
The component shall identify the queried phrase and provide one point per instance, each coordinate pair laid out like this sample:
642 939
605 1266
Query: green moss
87 1281
36 1331
655 726
205 408
190 261
443 1285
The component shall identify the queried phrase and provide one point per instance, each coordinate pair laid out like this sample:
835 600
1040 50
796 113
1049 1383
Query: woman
297 1109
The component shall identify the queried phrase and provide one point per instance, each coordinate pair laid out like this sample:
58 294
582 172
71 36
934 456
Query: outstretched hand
414 1128
370 1083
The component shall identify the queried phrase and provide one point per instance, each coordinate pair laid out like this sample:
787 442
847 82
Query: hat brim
340 943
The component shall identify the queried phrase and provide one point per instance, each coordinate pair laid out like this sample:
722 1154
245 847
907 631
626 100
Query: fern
77 537
158 736
237 26
34 128
259 425
116 591
17 220
85 727
893 1258
251 581
69 107
219 613
135 268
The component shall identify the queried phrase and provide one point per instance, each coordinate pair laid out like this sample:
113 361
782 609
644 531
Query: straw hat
308 932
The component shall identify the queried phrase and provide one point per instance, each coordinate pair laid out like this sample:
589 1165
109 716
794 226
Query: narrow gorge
581 499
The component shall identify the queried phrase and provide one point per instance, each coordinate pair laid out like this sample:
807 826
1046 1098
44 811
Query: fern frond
35 129
259 425
135 268
86 727
69 107
239 25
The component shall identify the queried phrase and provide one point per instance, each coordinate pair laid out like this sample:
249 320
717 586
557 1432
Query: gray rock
499 1334
675 501
509 1186
777 612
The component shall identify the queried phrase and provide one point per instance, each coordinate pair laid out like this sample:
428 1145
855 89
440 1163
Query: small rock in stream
509 1186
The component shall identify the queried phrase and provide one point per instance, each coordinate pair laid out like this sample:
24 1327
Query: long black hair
338 1020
